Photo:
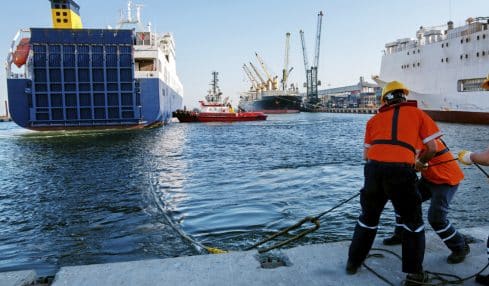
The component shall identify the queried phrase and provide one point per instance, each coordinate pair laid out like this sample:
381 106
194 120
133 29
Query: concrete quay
321 264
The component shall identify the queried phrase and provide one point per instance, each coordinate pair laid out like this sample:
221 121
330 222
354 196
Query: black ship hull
273 104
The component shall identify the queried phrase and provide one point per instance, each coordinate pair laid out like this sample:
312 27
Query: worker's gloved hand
420 166
464 157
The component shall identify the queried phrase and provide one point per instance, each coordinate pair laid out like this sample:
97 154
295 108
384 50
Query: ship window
470 85
478 38
418 64
65 20
64 6
461 56
442 45
446 60
418 51
414 52
446 45
466 56
58 14
65 14
408 53
58 20
441 60
477 54
483 53
462 41
484 36
467 40
56 6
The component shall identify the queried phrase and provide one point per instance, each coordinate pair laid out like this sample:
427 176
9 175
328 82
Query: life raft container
22 52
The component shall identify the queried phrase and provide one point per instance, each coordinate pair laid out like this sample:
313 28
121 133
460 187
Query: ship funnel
66 14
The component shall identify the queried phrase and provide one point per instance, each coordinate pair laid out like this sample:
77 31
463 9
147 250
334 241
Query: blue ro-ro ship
70 78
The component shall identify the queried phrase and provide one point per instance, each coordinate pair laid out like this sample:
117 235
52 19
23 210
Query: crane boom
304 51
262 63
250 76
318 39
258 75
285 71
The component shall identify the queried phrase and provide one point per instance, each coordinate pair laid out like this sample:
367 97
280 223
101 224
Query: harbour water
97 197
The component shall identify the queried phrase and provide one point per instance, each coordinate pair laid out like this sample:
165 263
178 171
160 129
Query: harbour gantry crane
254 83
312 82
304 51
263 83
273 82
286 71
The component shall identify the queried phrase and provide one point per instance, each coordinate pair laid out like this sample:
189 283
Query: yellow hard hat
392 86
485 84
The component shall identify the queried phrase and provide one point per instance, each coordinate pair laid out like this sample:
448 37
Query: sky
222 35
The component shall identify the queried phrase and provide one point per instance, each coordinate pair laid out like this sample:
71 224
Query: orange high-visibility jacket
393 134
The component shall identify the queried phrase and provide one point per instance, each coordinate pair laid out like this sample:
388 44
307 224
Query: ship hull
155 109
278 104
443 69
84 79
190 116
459 116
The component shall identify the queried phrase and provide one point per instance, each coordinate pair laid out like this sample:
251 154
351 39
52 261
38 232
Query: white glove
464 157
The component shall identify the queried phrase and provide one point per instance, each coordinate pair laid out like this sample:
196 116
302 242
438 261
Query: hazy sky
220 35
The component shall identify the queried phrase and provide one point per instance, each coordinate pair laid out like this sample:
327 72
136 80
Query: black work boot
351 268
416 279
458 256
395 239
482 279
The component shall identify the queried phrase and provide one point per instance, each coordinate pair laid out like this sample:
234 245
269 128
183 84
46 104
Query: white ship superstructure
444 68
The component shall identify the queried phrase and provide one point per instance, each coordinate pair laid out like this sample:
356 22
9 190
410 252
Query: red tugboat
212 109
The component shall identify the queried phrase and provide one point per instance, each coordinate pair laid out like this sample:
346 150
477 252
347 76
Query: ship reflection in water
83 198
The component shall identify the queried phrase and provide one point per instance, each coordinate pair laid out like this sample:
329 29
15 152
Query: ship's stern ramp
77 79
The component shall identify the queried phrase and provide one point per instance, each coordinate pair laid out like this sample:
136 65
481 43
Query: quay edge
320 264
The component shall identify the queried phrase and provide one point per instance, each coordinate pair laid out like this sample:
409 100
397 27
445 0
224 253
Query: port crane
254 83
312 82
272 82
286 71
263 83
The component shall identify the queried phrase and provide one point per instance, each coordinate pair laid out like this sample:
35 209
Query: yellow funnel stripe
66 19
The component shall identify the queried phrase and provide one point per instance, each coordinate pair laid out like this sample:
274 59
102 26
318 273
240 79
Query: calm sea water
83 198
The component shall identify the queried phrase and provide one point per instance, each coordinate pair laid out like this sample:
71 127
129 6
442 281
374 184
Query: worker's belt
392 164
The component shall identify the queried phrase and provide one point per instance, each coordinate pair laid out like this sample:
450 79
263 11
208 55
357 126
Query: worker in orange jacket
466 157
439 182
391 138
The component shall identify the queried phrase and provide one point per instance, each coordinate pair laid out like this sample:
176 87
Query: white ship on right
444 68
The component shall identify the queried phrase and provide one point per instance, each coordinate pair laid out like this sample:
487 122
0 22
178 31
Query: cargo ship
444 68
271 101
71 78
265 95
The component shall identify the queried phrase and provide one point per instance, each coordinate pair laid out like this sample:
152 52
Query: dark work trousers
441 195
397 182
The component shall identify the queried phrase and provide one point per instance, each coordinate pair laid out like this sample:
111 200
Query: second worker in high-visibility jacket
391 138
439 182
